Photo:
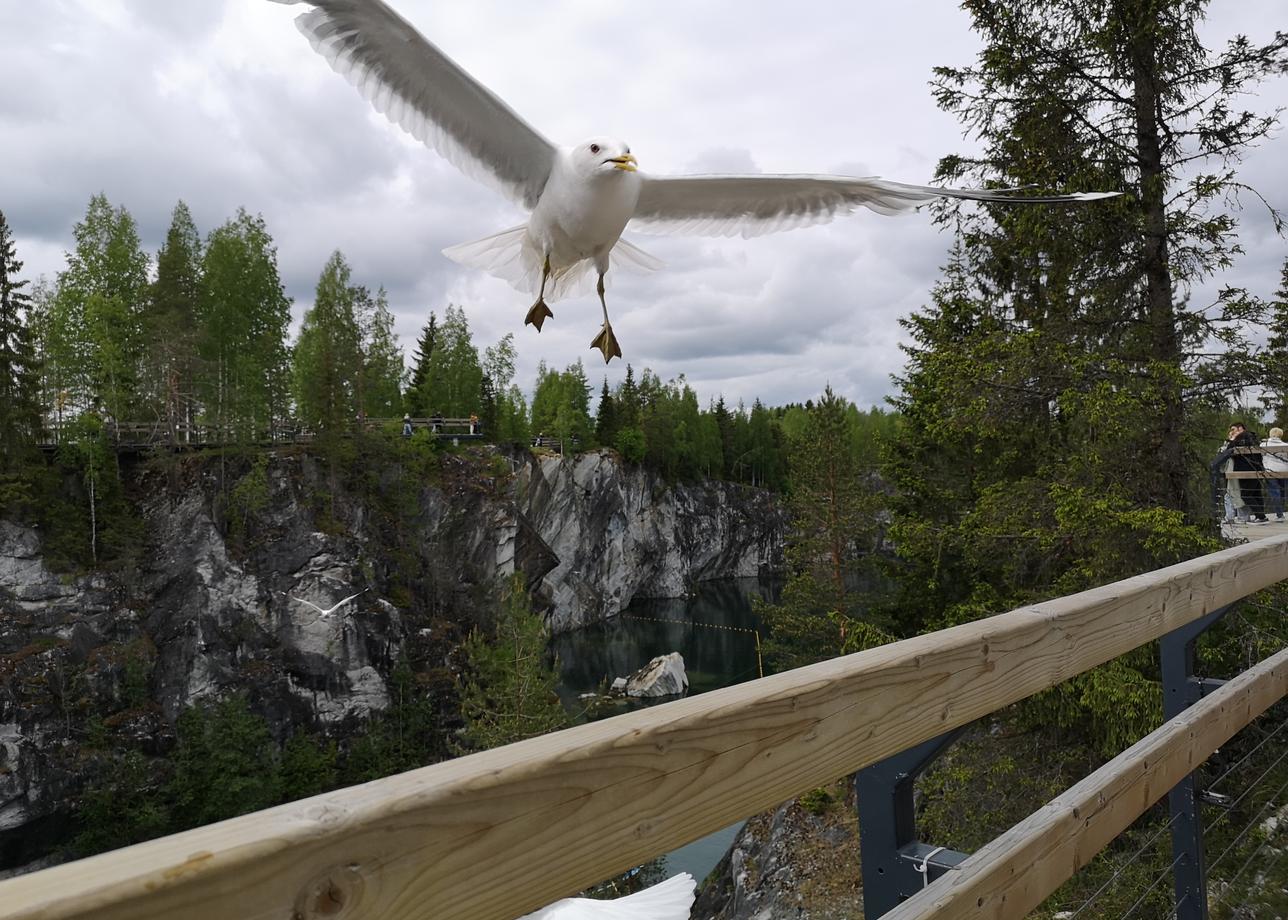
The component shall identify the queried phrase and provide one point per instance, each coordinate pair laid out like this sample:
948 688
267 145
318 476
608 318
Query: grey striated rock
208 611
619 532
663 676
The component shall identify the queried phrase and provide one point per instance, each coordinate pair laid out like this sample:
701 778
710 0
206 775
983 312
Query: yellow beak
626 162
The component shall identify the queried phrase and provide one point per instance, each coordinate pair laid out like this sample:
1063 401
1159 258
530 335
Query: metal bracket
1181 689
895 864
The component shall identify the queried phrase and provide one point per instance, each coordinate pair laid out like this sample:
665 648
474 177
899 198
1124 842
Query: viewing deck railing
497 834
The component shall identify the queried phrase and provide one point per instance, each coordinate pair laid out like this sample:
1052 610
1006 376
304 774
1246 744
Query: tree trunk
1162 347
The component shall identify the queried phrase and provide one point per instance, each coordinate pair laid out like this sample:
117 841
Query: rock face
211 608
619 533
663 676
800 860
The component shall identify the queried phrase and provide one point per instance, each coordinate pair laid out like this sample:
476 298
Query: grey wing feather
758 204
416 86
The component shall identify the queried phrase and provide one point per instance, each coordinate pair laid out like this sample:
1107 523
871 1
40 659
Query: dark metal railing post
895 864
1181 689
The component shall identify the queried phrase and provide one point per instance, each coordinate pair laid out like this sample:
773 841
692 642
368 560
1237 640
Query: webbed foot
607 343
537 315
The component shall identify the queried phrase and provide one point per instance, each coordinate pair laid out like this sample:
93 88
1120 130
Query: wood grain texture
494 835
1015 873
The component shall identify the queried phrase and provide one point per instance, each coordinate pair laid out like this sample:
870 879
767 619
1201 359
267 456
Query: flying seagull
669 900
582 197
329 610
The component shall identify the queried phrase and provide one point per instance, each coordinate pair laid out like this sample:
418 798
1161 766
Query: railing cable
1125 865
1152 885
1225 895
1211 786
1250 825
1252 787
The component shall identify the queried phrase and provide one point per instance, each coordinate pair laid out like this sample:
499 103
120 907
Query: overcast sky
222 103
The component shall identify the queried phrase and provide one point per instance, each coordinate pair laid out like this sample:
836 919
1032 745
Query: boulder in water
663 676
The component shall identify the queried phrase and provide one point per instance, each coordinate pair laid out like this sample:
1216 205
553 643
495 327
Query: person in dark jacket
1249 489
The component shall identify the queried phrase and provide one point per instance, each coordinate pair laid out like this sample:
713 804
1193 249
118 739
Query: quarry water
714 629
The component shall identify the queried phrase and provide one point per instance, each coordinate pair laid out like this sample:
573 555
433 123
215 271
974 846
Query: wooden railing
162 434
498 834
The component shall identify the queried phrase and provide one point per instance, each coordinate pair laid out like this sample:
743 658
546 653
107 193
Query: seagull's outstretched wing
422 90
758 204
669 900
309 603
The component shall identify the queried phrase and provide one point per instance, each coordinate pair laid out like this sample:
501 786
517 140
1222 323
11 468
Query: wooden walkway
147 435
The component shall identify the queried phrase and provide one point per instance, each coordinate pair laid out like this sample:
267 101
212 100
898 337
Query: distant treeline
199 336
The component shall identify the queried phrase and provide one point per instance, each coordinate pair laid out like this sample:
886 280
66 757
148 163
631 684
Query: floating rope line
760 667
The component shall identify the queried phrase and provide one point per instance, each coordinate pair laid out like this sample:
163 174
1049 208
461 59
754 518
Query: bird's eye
594 148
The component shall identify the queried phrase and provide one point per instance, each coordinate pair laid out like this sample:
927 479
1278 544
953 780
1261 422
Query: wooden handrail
1019 870
497 834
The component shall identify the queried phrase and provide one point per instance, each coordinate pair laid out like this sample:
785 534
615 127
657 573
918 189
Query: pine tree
834 506
20 416
510 694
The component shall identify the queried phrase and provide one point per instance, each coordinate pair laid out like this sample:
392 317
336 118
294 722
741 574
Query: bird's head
601 155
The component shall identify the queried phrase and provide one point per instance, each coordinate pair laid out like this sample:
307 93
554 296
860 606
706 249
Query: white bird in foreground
581 197
669 900
329 610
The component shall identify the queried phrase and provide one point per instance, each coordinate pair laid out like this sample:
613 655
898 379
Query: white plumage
330 610
669 900
581 197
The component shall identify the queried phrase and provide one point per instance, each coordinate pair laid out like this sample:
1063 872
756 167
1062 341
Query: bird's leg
537 315
605 341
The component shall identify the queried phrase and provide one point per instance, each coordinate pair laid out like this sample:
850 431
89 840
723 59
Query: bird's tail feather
629 256
512 256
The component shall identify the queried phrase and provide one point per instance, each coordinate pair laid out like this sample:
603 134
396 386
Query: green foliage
170 368
244 313
817 801
122 806
382 360
327 358
834 504
630 444
561 406
19 374
509 691
225 765
416 395
249 496
308 766
403 737
452 375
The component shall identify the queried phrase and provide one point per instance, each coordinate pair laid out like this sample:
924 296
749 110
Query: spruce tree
327 360
606 417
453 373
171 360
416 403
19 407
1276 357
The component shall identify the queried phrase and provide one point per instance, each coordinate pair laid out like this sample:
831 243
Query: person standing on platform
1276 461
